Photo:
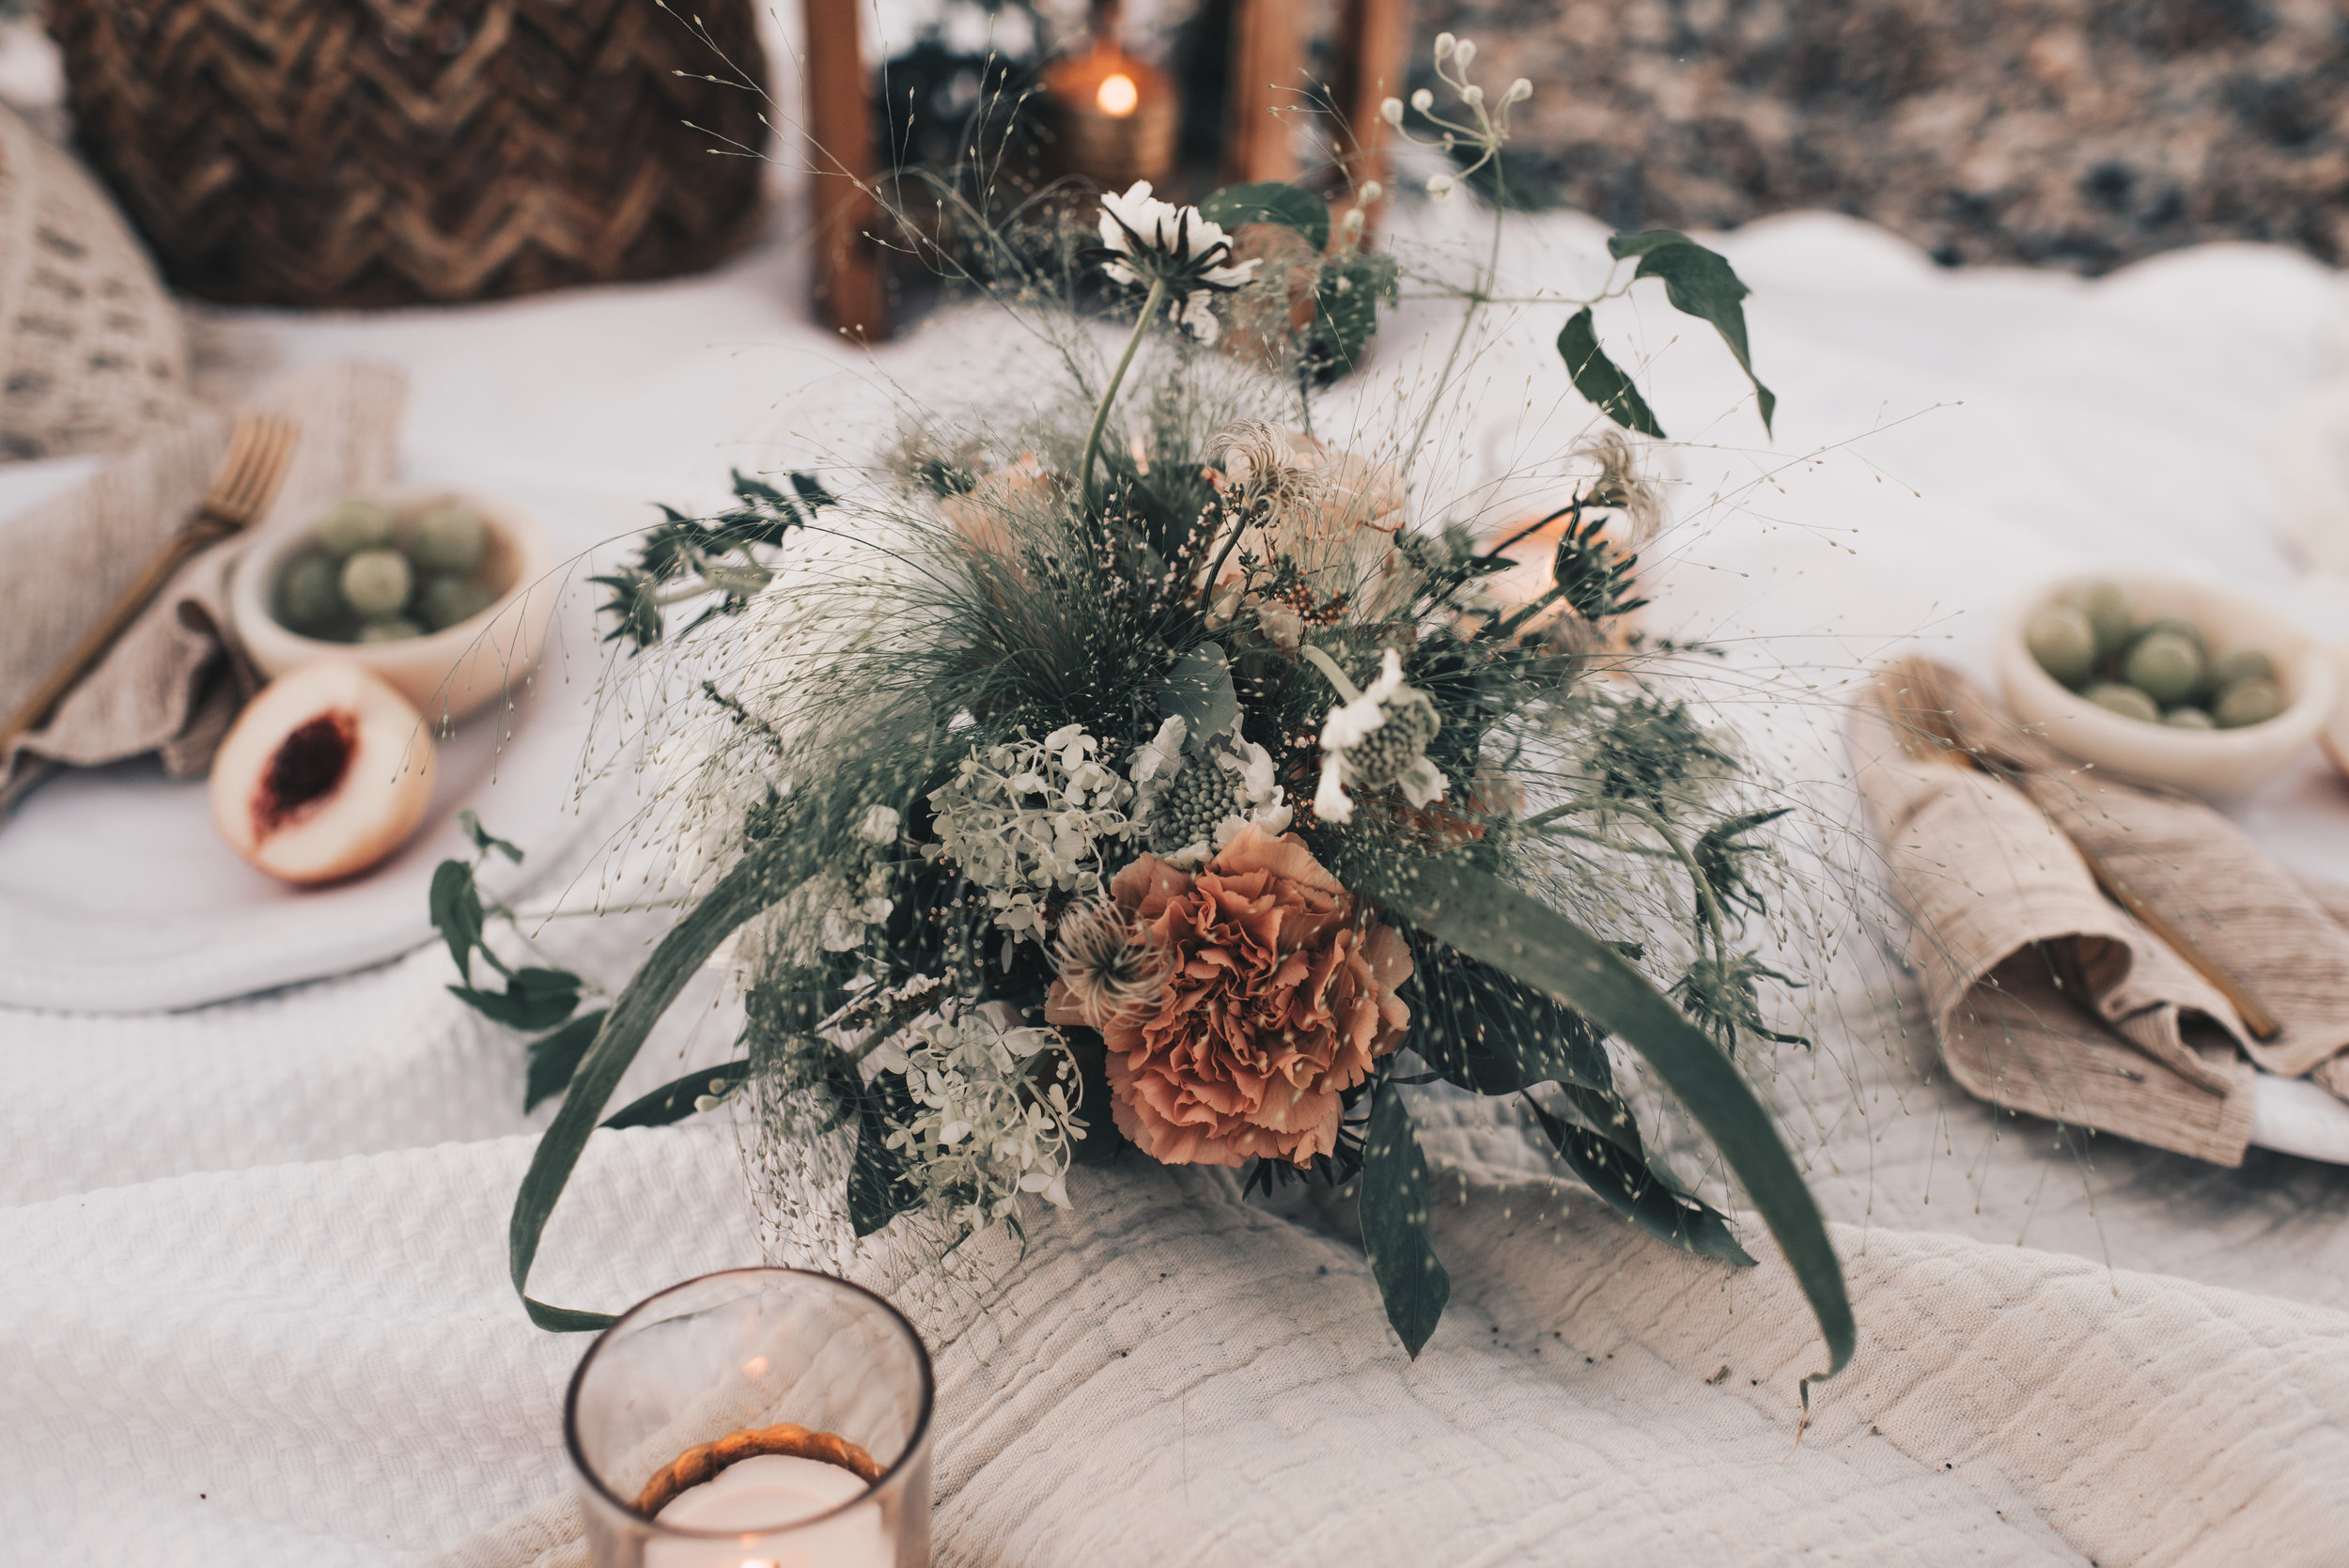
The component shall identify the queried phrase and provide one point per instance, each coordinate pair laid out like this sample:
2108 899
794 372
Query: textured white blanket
253 1305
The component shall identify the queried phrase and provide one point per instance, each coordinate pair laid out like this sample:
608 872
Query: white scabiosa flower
1146 241
1376 738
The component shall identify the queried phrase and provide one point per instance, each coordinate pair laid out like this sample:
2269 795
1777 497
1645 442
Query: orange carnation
1281 996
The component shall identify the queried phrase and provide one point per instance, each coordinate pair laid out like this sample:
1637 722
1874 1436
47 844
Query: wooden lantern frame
1268 62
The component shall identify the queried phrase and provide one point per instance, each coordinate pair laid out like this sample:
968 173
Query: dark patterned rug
2079 134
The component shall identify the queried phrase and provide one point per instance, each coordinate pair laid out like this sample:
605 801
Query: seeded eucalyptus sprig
685 557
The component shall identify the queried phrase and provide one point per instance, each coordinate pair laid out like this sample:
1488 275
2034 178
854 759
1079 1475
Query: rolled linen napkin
173 681
2048 997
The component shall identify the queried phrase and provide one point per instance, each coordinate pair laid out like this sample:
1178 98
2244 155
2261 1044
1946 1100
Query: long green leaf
674 1100
1598 378
1412 1282
746 890
1495 924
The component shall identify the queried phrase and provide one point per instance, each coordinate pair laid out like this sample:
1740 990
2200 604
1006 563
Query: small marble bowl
447 673
2214 764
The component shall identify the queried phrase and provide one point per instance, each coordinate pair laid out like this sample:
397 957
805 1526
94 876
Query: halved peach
325 772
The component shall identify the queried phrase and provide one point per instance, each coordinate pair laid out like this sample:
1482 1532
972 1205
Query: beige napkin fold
173 680
2048 997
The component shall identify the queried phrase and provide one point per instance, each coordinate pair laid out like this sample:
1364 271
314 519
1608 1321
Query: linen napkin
173 680
2048 997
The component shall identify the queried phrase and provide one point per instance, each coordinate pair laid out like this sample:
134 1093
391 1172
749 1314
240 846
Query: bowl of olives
441 594
2164 681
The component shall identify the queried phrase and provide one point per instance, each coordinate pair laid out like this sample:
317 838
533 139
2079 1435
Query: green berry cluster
1386 753
371 574
2160 672
1202 795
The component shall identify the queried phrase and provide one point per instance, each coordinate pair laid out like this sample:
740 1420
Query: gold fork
247 478
1921 712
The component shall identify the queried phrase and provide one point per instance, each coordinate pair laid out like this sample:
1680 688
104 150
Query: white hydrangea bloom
1026 819
995 1112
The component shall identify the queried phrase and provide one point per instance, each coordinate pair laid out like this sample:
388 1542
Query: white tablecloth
253 1304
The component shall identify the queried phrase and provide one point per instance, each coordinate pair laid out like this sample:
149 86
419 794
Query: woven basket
383 152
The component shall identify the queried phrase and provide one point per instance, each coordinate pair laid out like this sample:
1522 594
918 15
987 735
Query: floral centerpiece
1145 780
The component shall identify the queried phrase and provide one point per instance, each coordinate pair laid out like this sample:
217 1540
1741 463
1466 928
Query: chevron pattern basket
384 153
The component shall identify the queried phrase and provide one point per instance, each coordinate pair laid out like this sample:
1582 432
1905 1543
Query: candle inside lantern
1115 117
1118 96
767 1495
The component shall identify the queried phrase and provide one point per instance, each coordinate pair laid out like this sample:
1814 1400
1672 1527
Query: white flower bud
1353 224
1444 42
1471 94
1422 100
1519 90
1441 186
1392 112
1372 191
1465 52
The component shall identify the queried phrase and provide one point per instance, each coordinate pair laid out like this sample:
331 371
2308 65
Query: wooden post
849 291
1373 65
1267 64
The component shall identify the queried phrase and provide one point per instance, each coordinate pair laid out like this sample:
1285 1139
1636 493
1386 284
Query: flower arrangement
1141 780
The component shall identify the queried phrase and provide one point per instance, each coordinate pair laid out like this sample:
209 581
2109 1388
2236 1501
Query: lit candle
1116 118
763 1498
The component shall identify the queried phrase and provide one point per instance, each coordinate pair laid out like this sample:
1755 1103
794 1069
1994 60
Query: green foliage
1596 378
1199 690
1699 283
1353 286
1397 1194
1486 1030
1615 1166
1719 857
554 1058
879 1189
533 998
470 825
455 905
1271 202
1489 921
680 1097
683 557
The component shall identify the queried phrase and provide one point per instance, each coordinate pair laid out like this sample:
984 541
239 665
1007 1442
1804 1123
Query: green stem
1467 320
1329 667
1117 378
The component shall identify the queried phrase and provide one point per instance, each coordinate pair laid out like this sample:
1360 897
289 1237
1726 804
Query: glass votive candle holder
762 1418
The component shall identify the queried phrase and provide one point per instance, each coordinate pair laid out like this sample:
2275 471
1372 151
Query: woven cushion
92 350
377 152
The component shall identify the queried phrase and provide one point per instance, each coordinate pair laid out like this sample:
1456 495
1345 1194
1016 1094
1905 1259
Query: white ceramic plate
117 895
2293 1116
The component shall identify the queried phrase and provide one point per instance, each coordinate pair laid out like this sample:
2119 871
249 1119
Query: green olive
376 584
307 597
356 524
2064 643
2127 701
2108 610
2189 719
2177 625
451 537
2249 701
395 630
447 600
2164 666
2241 664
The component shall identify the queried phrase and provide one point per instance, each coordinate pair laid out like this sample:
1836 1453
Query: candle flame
1118 96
